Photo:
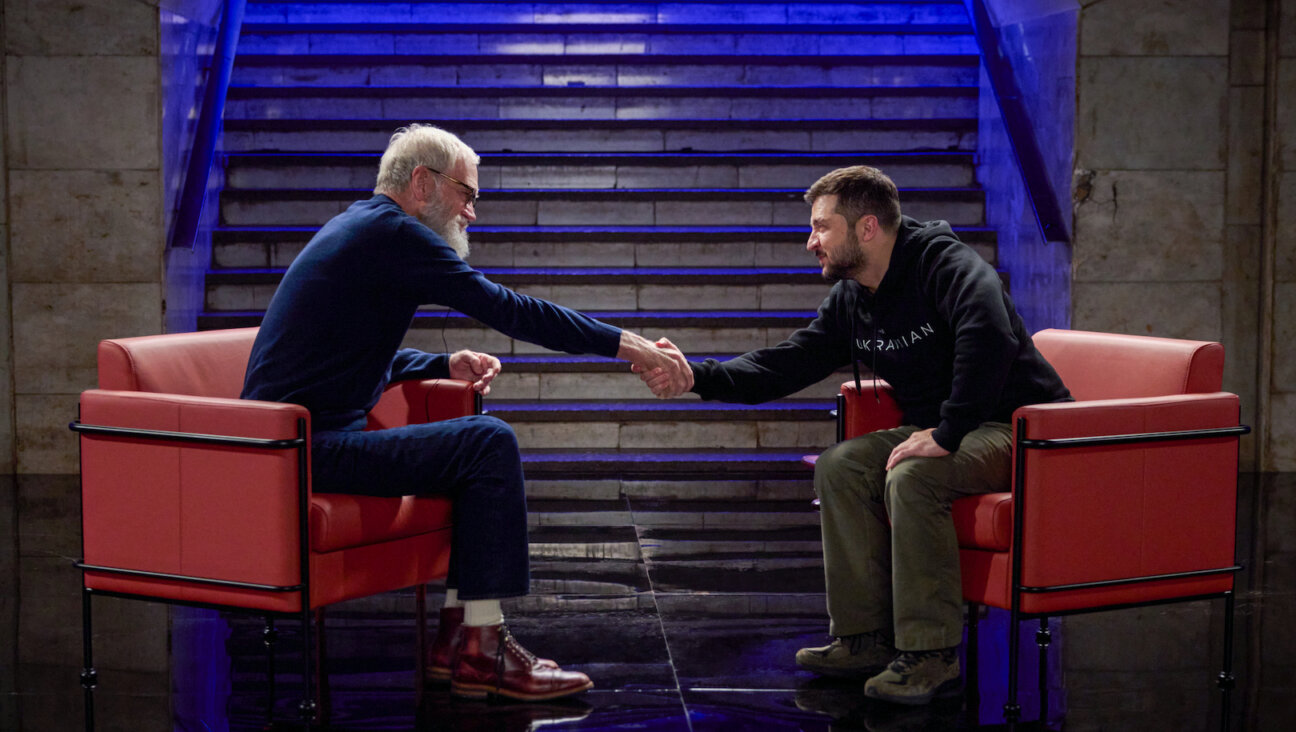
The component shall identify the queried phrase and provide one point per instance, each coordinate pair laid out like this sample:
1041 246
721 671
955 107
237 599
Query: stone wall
1280 158
84 204
1169 185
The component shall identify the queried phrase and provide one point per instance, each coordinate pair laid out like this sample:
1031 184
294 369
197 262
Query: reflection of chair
1122 498
193 496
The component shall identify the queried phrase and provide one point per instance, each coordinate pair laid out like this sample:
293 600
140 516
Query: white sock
483 612
452 598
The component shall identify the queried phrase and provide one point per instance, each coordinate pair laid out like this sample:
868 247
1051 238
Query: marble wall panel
1183 129
57 327
1281 450
1285 256
1283 378
1163 226
44 443
1245 194
1287 106
1155 28
50 129
1190 310
6 357
86 226
76 28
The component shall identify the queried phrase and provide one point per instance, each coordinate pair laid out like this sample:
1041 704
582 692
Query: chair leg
420 641
307 707
1043 637
270 637
973 691
1225 681
1012 710
89 677
325 694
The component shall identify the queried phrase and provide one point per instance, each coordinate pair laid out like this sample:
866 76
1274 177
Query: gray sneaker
851 656
915 677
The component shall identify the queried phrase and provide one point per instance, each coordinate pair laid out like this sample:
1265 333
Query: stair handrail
193 196
1044 199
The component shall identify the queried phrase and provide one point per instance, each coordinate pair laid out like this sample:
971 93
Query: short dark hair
860 190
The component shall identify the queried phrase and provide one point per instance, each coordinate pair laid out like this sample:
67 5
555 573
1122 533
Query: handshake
660 365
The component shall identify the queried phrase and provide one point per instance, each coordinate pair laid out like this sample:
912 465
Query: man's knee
850 464
490 433
915 481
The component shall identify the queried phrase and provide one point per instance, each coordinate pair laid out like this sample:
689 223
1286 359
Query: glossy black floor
685 609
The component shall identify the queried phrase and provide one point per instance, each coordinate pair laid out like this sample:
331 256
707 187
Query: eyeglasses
472 192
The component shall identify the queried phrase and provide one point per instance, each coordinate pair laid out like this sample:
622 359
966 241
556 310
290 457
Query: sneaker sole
844 673
483 691
437 675
953 687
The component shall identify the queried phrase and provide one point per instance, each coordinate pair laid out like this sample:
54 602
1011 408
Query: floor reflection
685 610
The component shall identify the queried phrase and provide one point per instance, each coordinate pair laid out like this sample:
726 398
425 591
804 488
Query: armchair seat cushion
342 521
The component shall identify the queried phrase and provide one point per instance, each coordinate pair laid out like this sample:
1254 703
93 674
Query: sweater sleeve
431 273
410 363
970 296
808 355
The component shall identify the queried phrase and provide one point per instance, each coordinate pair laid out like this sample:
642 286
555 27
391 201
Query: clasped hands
660 365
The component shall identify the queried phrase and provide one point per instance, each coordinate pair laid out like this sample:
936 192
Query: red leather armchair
1125 497
191 495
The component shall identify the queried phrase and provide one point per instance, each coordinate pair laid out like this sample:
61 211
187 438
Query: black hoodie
940 329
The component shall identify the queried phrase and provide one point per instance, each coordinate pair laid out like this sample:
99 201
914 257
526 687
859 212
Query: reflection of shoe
440 657
444 713
852 656
490 662
915 677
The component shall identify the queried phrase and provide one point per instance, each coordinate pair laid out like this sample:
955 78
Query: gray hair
416 145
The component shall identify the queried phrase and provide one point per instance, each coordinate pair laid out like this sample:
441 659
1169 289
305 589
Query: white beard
447 224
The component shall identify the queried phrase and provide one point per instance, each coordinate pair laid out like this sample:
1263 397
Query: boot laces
856 642
908 660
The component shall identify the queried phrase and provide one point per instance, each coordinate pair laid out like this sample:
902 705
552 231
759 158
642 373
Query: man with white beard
330 341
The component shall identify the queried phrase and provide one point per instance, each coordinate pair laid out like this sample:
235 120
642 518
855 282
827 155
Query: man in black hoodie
928 315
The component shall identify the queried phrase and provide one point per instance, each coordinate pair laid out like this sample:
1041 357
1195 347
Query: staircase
641 162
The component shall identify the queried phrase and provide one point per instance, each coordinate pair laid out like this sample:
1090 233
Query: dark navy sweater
940 329
330 340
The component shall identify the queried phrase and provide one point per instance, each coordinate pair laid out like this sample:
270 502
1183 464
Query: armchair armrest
417 402
862 413
1144 507
192 508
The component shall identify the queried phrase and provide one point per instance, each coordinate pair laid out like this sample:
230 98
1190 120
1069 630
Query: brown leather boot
440 655
491 662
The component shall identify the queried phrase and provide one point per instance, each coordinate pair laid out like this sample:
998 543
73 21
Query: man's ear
419 183
866 226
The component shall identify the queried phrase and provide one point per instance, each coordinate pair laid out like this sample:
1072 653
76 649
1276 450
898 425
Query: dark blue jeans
472 460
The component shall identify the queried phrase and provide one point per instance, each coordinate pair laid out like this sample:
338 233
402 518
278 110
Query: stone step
799 488
580 246
645 15
589 288
709 102
714 463
680 424
585 39
607 170
584 207
618 383
605 70
592 136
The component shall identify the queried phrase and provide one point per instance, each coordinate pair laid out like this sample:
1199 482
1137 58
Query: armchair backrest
1113 366
208 364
